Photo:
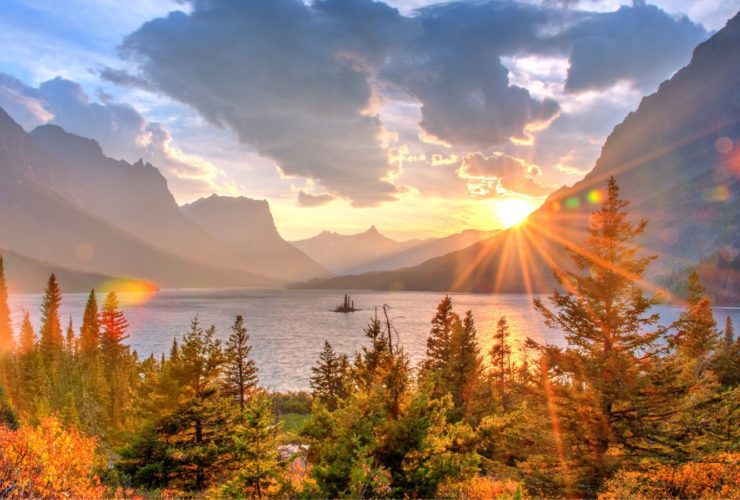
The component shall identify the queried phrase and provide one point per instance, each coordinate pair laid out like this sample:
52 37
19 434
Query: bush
716 476
47 461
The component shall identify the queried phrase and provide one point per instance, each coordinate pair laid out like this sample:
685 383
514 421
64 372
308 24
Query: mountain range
676 158
372 251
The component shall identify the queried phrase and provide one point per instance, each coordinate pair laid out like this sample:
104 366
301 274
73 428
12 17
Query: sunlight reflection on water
287 327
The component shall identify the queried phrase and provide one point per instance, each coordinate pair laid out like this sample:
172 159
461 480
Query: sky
421 118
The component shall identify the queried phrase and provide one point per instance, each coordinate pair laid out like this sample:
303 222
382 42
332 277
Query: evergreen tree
604 385
51 342
70 342
500 354
435 367
256 451
697 334
729 332
240 372
90 329
8 417
465 365
329 379
115 359
369 359
7 342
197 426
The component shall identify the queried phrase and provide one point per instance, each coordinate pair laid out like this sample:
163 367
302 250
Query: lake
287 328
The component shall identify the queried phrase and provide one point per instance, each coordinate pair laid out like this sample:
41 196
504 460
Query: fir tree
240 371
696 329
115 359
256 451
7 342
607 394
52 341
329 379
70 342
500 354
27 340
369 359
465 364
435 367
90 329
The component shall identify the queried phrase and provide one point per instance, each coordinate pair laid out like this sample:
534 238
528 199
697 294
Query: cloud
501 173
120 130
642 44
290 79
303 83
306 199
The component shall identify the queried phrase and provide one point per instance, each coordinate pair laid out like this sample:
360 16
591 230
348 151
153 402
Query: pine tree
604 384
369 359
729 332
697 334
500 354
465 364
7 342
90 329
51 342
329 379
255 446
115 359
434 367
27 340
70 342
240 372
30 370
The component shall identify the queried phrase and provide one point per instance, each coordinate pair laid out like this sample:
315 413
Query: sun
512 211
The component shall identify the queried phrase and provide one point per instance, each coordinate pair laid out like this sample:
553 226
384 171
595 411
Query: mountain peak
54 137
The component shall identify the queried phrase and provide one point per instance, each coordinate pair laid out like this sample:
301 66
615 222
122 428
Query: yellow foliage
483 488
717 476
47 461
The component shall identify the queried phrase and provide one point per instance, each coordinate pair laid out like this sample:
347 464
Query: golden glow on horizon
130 292
512 211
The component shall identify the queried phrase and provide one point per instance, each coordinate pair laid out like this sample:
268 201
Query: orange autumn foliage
47 461
717 476
483 488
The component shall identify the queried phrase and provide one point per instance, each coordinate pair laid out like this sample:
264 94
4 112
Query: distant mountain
40 218
247 228
417 251
26 275
346 253
677 158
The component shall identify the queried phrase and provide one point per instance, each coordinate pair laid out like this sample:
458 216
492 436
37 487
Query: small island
347 306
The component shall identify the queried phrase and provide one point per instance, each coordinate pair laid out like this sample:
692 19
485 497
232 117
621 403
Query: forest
627 408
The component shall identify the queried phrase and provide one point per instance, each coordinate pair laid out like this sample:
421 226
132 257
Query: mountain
677 158
39 218
247 228
345 253
26 275
417 251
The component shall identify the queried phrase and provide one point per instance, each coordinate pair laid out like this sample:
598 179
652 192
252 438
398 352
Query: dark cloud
302 83
485 173
641 44
277 73
306 199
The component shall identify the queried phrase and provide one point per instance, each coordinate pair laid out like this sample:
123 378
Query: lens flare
129 291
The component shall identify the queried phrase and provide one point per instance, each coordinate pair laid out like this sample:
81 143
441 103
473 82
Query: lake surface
287 328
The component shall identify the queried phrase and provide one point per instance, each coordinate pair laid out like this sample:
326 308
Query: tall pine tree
500 355
240 372
329 379
51 340
115 358
605 388
7 343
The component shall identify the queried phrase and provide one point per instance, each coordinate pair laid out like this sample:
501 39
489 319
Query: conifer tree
27 340
255 447
435 366
607 393
696 329
369 359
500 354
70 342
240 372
90 329
115 358
51 339
30 371
465 365
329 379
7 342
